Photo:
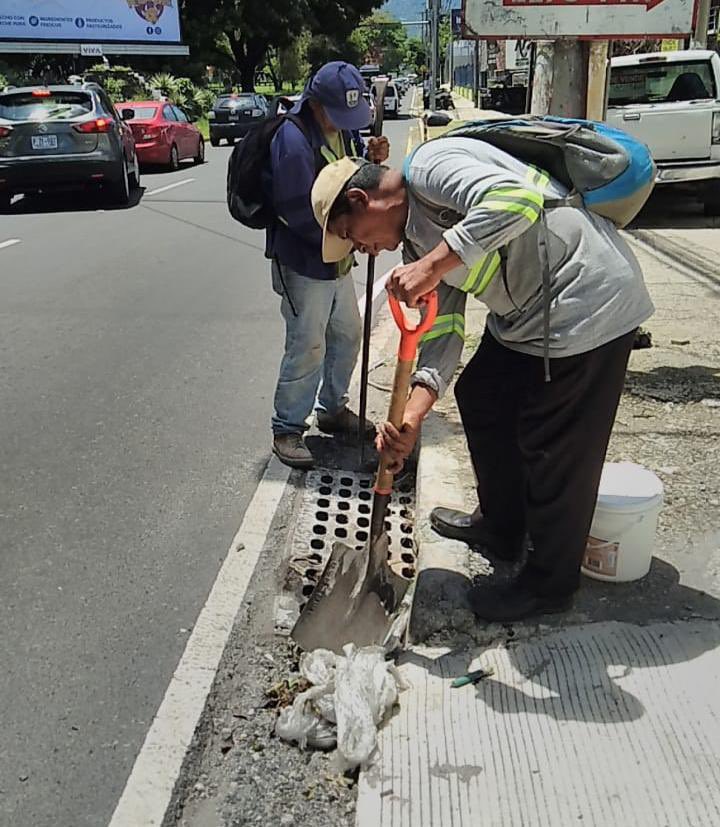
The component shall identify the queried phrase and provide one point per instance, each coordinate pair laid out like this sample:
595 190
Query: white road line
169 187
149 789
11 242
148 792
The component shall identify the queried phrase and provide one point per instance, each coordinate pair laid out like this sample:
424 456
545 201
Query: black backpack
246 173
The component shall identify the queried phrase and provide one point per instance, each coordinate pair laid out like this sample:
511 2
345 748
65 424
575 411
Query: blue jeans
322 342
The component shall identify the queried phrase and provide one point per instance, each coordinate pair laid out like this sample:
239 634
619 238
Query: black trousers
538 448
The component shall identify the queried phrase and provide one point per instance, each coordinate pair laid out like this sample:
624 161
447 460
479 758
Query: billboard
604 19
99 21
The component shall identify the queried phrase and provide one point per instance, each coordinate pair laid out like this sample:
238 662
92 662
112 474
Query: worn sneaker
345 422
292 450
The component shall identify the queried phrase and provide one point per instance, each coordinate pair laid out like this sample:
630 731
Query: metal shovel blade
354 600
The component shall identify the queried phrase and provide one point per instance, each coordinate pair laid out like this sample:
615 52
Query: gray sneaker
345 422
292 450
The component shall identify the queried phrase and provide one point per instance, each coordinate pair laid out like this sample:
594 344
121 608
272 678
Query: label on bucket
601 556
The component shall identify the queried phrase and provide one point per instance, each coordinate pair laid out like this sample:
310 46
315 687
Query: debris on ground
349 696
643 339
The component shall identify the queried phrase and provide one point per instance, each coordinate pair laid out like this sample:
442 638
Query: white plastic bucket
622 536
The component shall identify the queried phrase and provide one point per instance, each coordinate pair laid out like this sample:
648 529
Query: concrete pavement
139 350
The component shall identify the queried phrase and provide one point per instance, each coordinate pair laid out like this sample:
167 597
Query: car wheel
135 177
120 190
214 141
5 199
174 158
200 157
231 141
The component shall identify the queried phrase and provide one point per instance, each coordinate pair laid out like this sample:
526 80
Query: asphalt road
138 354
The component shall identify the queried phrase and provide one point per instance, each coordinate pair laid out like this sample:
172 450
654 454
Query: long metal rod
365 364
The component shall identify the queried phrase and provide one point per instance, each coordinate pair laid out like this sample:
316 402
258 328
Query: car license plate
234 116
44 142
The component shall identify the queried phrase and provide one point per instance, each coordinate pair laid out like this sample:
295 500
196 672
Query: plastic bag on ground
303 724
355 690
364 693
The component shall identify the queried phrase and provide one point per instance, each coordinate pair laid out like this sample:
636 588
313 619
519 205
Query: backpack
249 162
606 170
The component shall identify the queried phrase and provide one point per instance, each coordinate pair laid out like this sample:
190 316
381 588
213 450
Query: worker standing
319 305
565 295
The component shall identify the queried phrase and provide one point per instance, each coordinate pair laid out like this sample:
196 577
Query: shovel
358 593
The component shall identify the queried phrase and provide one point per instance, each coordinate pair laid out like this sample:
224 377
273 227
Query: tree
382 39
323 48
247 30
293 66
417 55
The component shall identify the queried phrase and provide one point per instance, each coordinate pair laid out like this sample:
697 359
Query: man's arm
497 206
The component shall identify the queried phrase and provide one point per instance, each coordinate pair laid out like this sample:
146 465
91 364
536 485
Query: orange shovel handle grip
411 334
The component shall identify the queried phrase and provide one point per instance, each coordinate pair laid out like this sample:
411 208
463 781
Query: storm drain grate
336 507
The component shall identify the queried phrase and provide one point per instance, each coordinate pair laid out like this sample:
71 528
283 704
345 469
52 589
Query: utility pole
560 79
702 23
451 47
597 82
434 26
476 78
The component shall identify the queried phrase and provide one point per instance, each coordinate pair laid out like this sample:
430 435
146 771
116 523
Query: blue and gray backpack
606 170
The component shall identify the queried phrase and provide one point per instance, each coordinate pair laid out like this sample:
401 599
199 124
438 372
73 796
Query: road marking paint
11 242
168 187
149 789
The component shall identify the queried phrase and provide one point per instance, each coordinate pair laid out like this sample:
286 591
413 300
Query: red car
163 133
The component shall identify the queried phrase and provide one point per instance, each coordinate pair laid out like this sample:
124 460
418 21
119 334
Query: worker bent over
538 398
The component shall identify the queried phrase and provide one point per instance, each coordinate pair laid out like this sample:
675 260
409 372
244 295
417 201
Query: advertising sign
103 21
551 19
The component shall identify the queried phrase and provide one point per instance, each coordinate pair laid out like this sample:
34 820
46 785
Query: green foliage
183 92
120 82
417 55
292 63
202 102
250 32
323 48
382 39
444 36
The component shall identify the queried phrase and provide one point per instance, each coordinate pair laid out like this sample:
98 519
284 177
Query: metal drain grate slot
336 507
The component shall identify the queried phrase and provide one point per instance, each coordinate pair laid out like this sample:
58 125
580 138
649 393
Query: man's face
367 225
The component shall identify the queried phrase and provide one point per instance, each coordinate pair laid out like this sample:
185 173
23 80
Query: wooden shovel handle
410 336
401 388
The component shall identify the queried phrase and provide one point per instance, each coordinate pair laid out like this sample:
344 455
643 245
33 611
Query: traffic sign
587 19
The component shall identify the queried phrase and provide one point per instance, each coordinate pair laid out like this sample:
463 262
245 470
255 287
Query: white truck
671 102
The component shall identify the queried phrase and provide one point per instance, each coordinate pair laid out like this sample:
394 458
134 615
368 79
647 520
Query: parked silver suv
61 136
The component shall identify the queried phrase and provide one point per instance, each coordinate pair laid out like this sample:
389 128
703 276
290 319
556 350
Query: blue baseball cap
339 87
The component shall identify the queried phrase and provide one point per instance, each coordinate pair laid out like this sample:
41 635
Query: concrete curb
442 583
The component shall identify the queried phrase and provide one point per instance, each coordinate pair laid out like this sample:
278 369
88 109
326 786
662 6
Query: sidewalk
607 715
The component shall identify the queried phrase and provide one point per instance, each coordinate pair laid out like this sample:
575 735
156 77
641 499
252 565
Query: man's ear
358 199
